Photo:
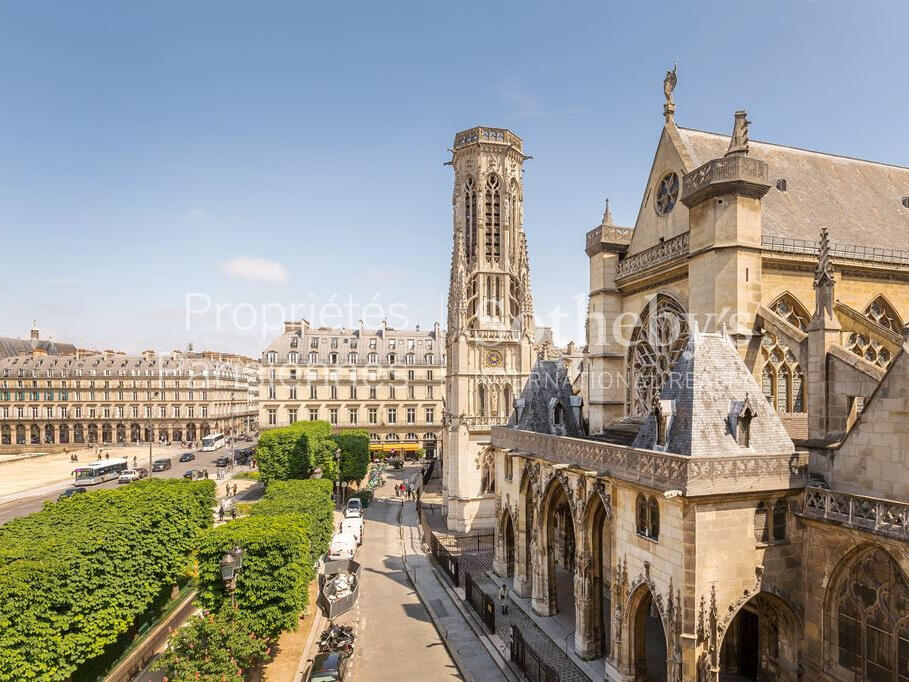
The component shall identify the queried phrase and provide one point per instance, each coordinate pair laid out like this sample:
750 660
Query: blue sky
145 147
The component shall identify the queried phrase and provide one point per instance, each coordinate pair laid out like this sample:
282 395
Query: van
353 526
354 507
342 547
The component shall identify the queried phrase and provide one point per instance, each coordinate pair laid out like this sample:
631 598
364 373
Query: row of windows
353 415
335 342
145 385
119 411
91 396
352 393
64 372
293 358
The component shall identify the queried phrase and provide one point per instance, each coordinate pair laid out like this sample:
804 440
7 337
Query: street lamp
231 563
338 468
151 411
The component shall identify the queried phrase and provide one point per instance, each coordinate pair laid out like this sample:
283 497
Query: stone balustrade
692 475
886 517
483 134
484 421
658 255
616 237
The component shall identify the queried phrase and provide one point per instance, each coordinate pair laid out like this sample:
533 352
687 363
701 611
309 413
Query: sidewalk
477 654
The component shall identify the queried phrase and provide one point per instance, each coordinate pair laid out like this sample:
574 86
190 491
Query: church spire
738 145
824 282
607 215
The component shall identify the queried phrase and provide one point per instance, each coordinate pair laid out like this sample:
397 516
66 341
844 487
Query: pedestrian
233 512
221 513
106 455
503 599
135 461
206 473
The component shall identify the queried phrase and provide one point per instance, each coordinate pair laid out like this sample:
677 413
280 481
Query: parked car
329 667
128 476
354 506
192 474
342 546
222 461
187 457
161 464
69 492
142 471
353 526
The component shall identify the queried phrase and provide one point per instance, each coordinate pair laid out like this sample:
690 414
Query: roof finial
823 274
738 145
607 215
668 88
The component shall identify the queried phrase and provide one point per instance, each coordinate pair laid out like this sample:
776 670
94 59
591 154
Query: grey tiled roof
10 347
707 384
548 381
357 341
859 202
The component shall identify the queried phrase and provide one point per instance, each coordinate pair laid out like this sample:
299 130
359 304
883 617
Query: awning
394 447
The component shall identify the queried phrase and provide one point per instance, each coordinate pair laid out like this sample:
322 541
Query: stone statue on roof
669 83
738 143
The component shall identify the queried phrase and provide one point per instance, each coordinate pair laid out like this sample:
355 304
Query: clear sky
276 154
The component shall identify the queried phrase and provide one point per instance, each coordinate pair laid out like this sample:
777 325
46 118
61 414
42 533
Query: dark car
69 492
222 461
243 456
187 457
192 474
161 465
142 471
328 667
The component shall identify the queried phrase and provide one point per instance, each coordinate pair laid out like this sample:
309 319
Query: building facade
56 401
730 503
491 333
389 382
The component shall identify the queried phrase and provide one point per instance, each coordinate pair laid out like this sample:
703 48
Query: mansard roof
547 389
703 398
858 201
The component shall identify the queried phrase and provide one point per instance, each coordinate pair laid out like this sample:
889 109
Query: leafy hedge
212 647
354 444
310 499
75 576
271 589
295 451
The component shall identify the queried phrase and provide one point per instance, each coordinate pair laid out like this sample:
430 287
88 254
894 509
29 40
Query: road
396 639
31 504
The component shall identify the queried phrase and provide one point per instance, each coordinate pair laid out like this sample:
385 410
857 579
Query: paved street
396 638
53 468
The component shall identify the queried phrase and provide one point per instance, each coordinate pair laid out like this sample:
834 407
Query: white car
128 476
354 507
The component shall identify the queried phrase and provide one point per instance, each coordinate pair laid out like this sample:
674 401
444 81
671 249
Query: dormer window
557 416
743 414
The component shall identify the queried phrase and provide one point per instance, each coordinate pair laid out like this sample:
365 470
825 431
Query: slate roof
548 381
11 347
858 201
708 383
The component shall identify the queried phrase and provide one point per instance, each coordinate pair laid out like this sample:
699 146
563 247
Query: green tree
213 646
295 451
354 444
271 589
311 500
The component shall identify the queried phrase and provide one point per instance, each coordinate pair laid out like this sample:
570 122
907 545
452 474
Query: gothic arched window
870 349
493 218
641 514
656 344
880 311
869 622
470 217
782 380
787 307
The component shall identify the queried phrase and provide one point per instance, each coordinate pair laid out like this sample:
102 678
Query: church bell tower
490 317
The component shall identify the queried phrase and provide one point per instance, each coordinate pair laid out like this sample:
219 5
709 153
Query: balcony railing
886 517
482 134
849 252
654 256
692 475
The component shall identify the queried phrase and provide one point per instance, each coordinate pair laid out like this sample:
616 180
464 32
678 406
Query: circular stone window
667 194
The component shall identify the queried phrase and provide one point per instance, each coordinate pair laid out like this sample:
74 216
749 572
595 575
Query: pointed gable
547 403
709 392
874 458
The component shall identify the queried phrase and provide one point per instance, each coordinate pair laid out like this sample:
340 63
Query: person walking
233 512
221 513
503 599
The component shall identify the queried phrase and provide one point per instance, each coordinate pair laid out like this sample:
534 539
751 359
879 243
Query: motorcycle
337 638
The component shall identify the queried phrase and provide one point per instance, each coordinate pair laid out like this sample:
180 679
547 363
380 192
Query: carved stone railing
617 237
692 475
842 252
493 334
481 134
742 174
660 254
483 421
886 517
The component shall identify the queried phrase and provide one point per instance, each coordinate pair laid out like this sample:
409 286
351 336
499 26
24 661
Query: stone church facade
731 500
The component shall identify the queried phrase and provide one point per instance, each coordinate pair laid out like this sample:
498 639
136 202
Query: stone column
587 622
542 599
500 551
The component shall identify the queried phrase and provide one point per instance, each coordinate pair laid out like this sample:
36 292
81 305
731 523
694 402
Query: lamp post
338 467
151 413
231 564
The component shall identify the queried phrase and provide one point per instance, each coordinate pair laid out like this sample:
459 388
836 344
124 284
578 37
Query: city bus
212 442
98 472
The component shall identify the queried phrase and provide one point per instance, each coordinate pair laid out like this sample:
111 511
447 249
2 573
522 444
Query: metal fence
528 661
481 602
446 559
